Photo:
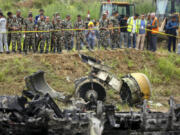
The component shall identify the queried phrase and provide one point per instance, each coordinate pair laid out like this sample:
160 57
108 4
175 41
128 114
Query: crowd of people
42 34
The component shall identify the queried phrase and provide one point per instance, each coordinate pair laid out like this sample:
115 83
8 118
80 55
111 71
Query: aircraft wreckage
35 111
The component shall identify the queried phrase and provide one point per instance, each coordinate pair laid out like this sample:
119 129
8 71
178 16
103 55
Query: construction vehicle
124 8
165 9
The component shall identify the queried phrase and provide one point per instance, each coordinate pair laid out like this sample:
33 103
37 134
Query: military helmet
91 24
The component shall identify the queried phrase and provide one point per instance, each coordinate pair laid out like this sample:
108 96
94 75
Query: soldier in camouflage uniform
115 31
48 28
104 31
40 35
80 36
68 34
20 20
59 40
54 21
9 20
16 36
29 37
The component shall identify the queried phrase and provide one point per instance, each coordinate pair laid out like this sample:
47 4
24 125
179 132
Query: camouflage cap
67 15
58 17
18 11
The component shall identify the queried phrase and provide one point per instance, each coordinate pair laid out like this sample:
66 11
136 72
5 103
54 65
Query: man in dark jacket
171 28
124 33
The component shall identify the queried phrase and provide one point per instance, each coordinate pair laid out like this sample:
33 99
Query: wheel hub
91 93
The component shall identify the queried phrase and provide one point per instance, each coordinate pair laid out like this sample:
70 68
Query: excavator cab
165 9
124 8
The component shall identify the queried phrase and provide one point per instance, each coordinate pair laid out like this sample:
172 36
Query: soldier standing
20 20
16 36
29 37
104 31
53 33
80 37
115 31
58 35
9 20
48 28
40 35
68 33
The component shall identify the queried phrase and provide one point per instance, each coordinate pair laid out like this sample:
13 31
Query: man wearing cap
9 20
19 18
48 27
80 37
40 39
91 35
172 27
15 35
104 31
59 42
68 33
115 31
30 36
3 35
54 21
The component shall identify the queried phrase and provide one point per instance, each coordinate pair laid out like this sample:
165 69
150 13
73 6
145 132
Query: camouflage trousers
47 42
104 39
29 42
59 43
68 42
115 39
52 41
9 38
16 39
80 38
42 44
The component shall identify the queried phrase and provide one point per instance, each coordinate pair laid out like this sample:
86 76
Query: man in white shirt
3 35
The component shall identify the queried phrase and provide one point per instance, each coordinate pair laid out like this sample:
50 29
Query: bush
168 68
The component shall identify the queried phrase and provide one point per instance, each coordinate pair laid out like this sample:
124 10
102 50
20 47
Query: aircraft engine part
135 88
37 83
90 88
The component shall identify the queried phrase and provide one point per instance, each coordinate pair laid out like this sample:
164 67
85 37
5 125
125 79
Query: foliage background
72 7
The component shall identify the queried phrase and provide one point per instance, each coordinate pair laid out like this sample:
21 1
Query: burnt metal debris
35 112
132 88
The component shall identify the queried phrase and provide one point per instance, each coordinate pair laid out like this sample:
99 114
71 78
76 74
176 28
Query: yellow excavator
124 8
